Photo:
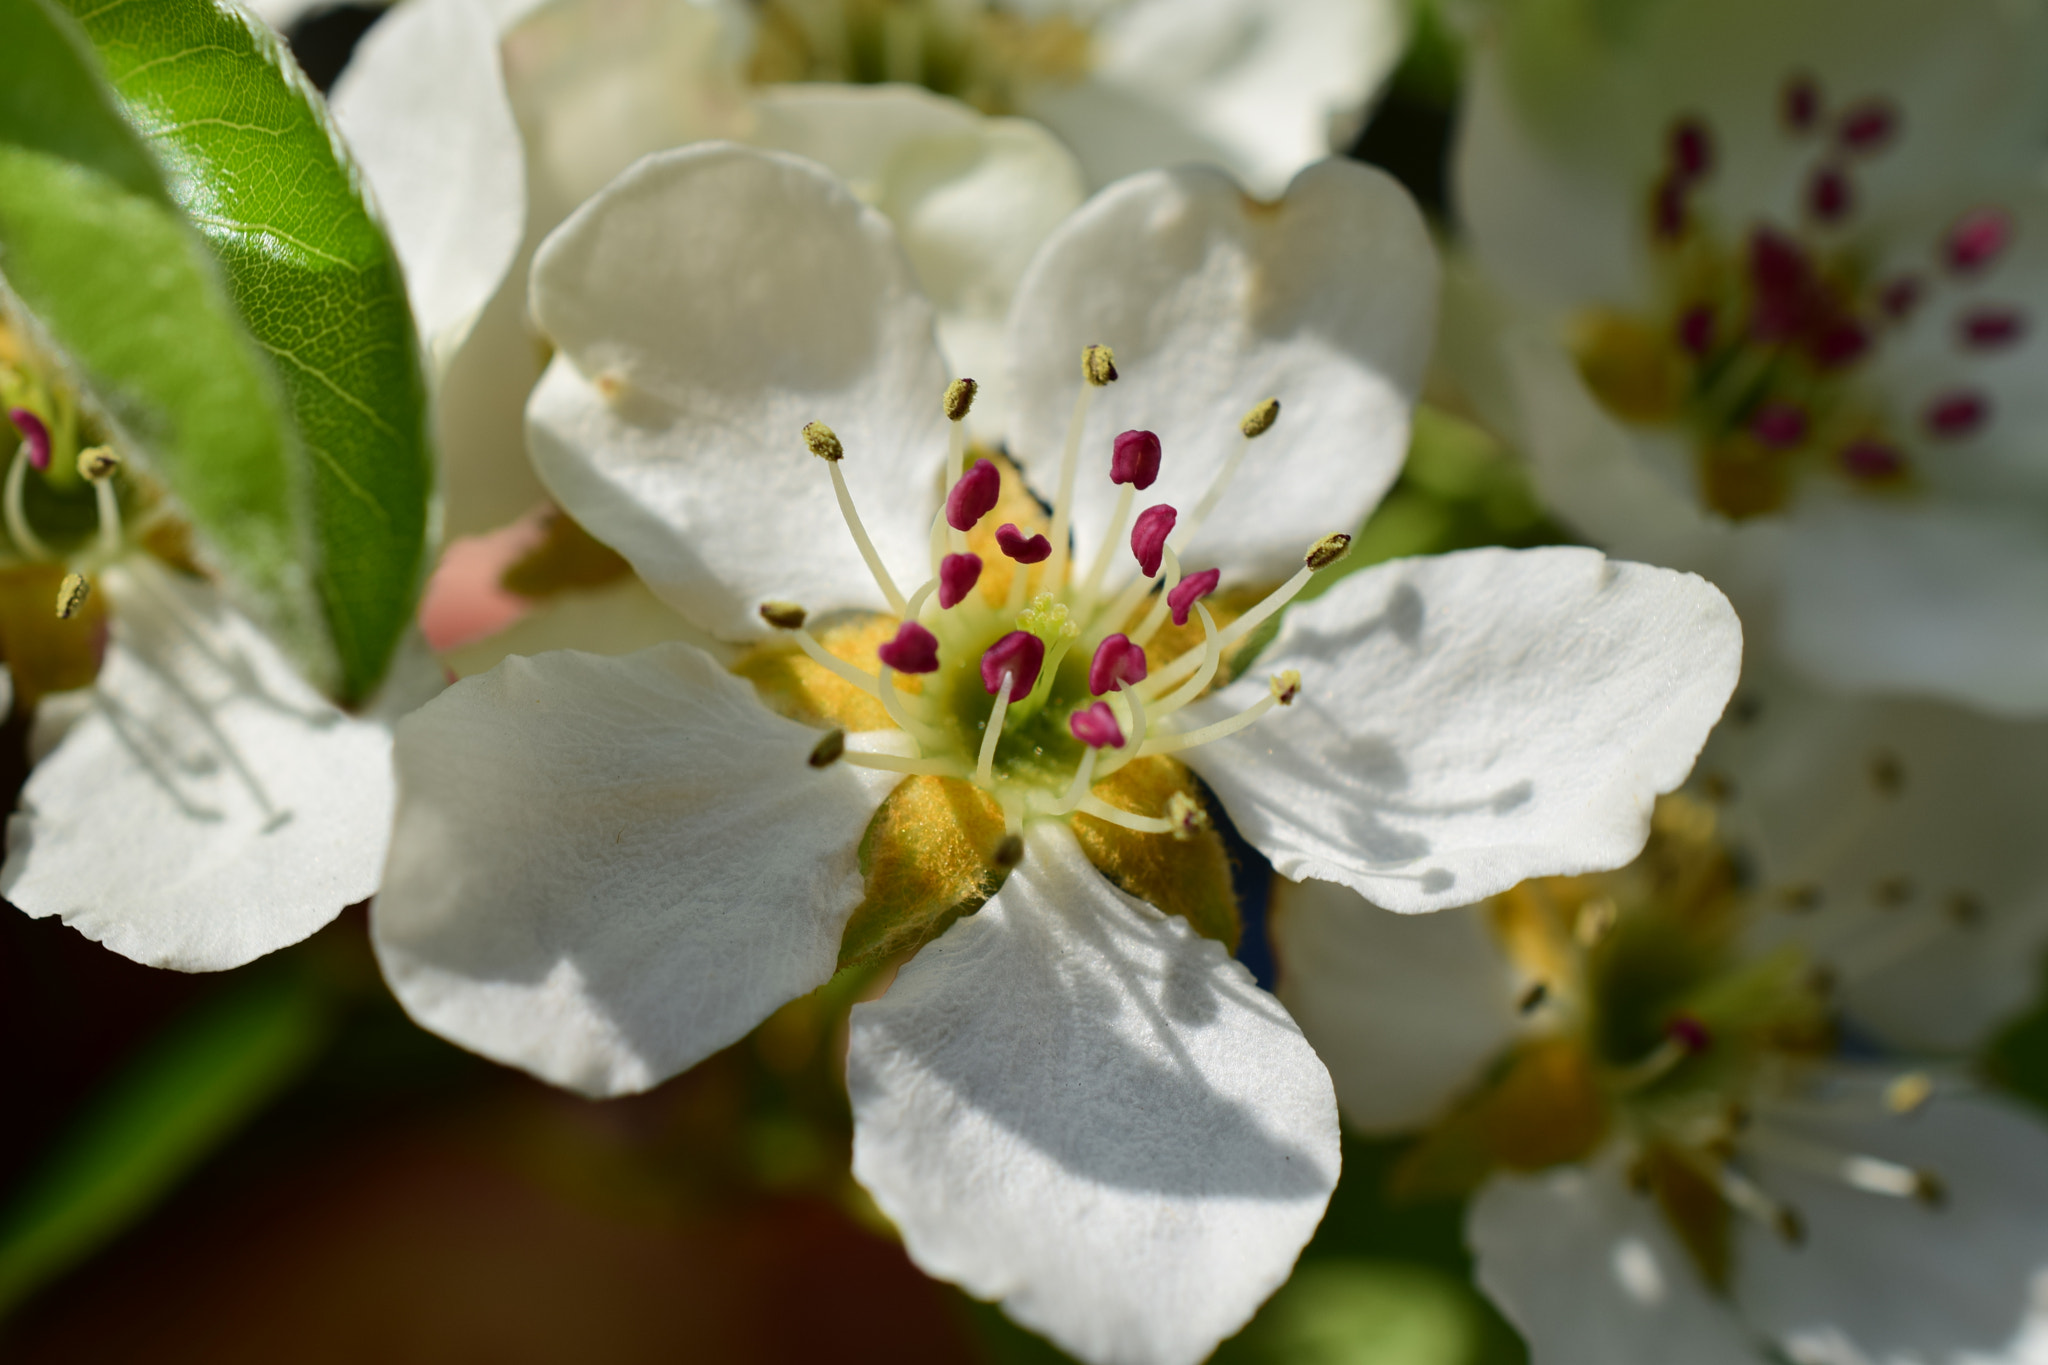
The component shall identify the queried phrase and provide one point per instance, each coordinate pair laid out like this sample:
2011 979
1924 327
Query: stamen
1084 777
1253 425
1117 662
1778 425
71 595
98 462
914 650
1024 549
1212 659
1148 536
1138 824
1871 1174
985 767
1696 330
1286 685
1957 414
1532 998
1987 329
1016 658
1868 126
1748 1198
1186 816
825 445
1872 460
825 658
784 615
974 496
1095 726
1321 555
1134 730
1977 239
1907 1093
1669 216
1780 278
957 576
1839 343
35 436
1899 298
1799 104
1185 594
1135 460
829 750
1692 150
959 400
1009 852
1098 368
896 763
1684 1038
1829 196
1169 579
18 530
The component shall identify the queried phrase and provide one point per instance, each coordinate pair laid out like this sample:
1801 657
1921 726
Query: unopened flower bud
823 442
1098 363
829 749
98 462
71 595
959 398
1260 419
784 615
1327 551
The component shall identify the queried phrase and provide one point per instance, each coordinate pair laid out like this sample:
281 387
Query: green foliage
254 162
191 1087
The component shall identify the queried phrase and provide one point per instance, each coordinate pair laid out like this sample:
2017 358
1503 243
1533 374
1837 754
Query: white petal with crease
607 869
210 806
1469 720
1214 303
708 304
1073 1104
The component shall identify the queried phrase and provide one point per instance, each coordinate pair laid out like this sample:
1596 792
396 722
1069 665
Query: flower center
1762 345
1013 666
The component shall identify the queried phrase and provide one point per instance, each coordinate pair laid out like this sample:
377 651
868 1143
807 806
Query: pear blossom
1071 1098
1756 285
195 803
1714 1104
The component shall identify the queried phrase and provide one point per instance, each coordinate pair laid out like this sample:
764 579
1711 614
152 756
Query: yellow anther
1260 419
959 398
1098 363
1596 917
98 462
784 615
829 750
1009 852
1185 814
1908 1092
1327 551
1286 686
823 443
71 595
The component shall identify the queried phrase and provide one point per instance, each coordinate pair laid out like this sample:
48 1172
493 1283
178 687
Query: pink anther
1096 727
1867 126
34 433
1696 330
1148 536
1987 329
1899 297
914 650
1018 656
973 496
1838 343
1829 195
1692 150
1977 239
1020 547
1779 425
1781 279
1689 1033
1872 460
1135 460
1958 413
1189 590
1799 103
1117 662
957 576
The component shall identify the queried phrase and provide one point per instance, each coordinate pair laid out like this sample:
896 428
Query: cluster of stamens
97 466
1038 694
1759 347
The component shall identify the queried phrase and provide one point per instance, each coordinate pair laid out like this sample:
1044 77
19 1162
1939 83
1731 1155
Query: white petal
1892 870
971 198
1590 1275
480 416
1214 303
1270 85
1073 1104
1893 1279
1469 720
618 618
1405 1010
607 869
1940 600
211 806
422 104
724 298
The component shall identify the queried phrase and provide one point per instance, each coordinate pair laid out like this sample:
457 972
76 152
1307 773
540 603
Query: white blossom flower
1714 1104
199 803
606 869
1770 275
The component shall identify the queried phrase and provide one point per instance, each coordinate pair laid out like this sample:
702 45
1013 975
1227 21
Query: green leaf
92 243
192 1087
255 163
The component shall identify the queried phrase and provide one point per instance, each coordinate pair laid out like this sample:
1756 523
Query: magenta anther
957 576
1148 536
1799 104
1696 330
1096 727
1020 547
1899 297
1872 460
1189 590
1018 656
1689 1033
1692 150
35 433
973 496
1829 196
1779 425
1958 413
1987 329
1868 126
1135 460
1117 662
1977 239
914 650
